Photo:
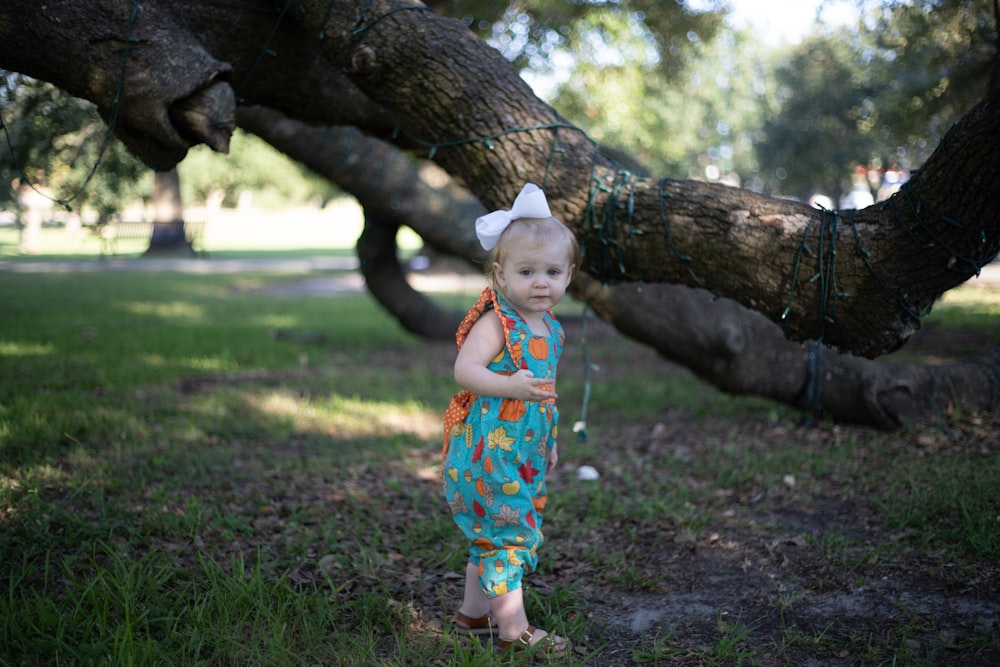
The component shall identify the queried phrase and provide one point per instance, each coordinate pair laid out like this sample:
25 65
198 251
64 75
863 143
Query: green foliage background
678 90
60 145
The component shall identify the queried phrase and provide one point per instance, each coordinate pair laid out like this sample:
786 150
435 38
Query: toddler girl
500 430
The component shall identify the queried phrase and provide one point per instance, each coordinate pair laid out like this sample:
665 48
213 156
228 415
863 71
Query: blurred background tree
906 73
60 145
252 166
934 59
818 130
679 91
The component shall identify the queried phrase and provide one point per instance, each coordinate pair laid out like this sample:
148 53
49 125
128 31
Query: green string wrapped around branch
607 233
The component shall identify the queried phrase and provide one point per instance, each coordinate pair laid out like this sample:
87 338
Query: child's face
534 277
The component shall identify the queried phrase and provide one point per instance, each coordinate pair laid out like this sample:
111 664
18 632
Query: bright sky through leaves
785 20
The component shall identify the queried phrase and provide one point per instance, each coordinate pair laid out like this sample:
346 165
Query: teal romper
496 452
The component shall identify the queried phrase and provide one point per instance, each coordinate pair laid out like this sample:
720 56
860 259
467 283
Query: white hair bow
530 203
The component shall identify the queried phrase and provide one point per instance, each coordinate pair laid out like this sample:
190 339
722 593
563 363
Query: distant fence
176 233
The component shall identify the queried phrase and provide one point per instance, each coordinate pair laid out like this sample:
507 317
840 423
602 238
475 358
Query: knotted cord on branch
610 222
108 134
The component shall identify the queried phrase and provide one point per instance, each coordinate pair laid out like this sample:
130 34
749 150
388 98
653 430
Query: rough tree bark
734 348
858 281
168 215
742 352
392 192
892 261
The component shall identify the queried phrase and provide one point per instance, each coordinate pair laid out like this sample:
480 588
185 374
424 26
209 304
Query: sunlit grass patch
965 323
347 417
249 499
168 310
967 301
18 349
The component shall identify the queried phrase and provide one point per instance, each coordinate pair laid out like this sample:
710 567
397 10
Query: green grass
179 486
304 232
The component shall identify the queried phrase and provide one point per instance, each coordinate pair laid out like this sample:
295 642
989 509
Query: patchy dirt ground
777 573
798 579
773 572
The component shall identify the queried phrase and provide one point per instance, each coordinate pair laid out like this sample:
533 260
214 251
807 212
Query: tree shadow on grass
708 538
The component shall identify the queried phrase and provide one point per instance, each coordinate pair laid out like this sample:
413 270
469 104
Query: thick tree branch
741 352
859 281
392 192
725 344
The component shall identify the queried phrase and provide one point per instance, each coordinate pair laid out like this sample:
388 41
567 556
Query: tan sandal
466 625
526 642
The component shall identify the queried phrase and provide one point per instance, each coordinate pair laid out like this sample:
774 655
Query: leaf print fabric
507 516
498 500
499 438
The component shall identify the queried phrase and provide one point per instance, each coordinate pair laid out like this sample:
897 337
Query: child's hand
553 456
525 386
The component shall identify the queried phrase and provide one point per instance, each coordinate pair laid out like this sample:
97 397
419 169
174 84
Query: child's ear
498 274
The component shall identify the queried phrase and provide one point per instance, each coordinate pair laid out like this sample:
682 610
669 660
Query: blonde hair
531 232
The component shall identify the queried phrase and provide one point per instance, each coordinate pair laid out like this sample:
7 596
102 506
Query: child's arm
482 345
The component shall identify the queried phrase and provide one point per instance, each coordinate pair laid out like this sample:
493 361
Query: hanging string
825 275
797 264
556 148
108 134
684 258
607 232
580 427
813 384
265 51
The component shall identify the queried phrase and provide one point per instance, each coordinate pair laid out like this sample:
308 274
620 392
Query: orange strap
487 298
458 409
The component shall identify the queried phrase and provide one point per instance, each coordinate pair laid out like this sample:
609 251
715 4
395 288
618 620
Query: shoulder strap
486 299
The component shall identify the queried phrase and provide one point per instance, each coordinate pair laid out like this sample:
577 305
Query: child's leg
512 621
475 604
509 614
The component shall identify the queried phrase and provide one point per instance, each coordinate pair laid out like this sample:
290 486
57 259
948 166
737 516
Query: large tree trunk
168 233
879 270
741 352
389 187
856 280
732 347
